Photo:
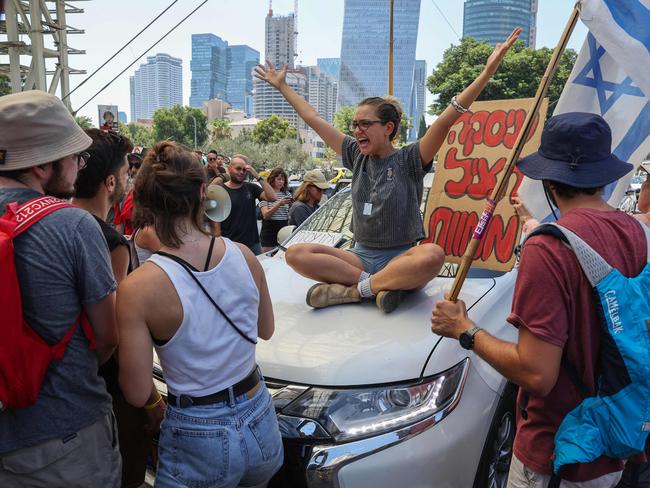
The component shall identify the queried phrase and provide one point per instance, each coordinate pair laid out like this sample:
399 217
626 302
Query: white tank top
206 354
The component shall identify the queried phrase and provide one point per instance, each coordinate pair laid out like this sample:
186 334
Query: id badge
367 208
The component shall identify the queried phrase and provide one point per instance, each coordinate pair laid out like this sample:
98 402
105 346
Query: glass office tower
364 50
209 67
239 93
493 20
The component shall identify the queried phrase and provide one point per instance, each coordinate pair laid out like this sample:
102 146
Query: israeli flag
611 77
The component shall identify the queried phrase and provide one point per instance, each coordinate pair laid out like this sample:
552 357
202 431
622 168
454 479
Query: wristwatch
466 339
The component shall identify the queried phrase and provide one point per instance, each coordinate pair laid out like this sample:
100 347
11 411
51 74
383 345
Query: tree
343 119
518 76
422 128
84 122
178 124
220 129
273 130
5 87
404 126
139 135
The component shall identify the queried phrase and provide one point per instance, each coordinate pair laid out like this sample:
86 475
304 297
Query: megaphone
217 203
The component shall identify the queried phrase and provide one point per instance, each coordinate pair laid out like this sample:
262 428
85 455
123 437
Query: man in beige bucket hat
67 437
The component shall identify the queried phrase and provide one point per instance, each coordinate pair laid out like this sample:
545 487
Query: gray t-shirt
62 262
386 195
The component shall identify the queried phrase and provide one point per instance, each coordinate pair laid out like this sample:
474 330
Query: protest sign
469 164
107 117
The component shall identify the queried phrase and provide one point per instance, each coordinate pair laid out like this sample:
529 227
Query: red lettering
500 242
495 128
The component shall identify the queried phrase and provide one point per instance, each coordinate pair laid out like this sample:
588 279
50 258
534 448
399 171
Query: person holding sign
387 190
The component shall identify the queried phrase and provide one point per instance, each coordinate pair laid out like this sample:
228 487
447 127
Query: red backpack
24 355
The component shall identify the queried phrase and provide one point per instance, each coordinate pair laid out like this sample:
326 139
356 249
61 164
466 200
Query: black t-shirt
109 370
241 224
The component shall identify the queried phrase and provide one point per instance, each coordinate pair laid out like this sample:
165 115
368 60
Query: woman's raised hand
269 74
500 51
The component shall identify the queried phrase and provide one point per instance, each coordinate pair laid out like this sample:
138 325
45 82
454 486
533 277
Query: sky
109 24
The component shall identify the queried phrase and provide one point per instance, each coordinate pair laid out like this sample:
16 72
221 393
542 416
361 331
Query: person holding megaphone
216 305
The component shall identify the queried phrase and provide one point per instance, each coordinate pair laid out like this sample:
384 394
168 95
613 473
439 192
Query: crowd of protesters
137 237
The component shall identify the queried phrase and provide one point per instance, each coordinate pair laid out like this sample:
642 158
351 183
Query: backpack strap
646 230
32 211
593 265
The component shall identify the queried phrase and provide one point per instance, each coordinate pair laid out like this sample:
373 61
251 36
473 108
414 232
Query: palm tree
220 129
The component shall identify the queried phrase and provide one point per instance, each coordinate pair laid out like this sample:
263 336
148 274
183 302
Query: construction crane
26 25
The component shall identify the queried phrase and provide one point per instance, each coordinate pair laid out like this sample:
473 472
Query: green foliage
287 153
404 126
177 124
343 119
84 122
138 134
518 76
219 129
5 87
422 128
273 130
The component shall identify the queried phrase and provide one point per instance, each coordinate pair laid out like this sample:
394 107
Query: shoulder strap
186 266
592 263
33 210
646 230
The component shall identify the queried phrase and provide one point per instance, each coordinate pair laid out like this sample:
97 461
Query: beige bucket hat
316 178
36 128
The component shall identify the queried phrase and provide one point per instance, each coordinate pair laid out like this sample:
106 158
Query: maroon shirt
556 303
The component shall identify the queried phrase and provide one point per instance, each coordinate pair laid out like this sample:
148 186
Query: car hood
354 344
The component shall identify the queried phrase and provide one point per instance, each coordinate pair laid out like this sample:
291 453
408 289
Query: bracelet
458 107
151 406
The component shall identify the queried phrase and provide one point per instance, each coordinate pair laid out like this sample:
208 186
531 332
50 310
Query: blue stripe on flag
630 143
633 17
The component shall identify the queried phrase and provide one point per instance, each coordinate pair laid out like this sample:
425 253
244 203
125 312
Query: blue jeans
375 259
226 444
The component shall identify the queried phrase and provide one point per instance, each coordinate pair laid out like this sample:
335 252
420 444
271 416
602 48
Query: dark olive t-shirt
241 224
556 303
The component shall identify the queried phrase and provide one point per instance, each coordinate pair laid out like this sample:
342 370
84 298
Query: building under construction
34 49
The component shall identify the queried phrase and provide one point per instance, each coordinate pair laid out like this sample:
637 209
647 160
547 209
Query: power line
446 19
120 50
143 53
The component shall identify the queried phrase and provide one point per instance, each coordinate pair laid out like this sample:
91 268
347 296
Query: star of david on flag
611 77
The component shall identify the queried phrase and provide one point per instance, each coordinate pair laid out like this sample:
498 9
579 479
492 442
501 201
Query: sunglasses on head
135 164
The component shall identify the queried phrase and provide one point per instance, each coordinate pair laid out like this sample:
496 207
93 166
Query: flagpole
502 184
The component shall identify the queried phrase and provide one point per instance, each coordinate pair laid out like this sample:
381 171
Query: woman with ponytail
201 302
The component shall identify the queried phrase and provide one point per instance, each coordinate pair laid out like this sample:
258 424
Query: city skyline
157 83
242 22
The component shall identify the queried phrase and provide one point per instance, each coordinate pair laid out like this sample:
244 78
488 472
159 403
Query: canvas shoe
388 300
323 295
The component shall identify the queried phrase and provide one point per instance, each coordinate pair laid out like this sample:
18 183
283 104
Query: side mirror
285 232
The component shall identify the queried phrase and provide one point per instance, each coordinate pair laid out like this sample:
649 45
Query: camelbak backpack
616 421
24 355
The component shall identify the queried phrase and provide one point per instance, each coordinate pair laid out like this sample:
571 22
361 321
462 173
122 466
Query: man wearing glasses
216 168
68 436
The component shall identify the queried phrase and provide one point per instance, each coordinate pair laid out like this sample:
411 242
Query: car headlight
351 414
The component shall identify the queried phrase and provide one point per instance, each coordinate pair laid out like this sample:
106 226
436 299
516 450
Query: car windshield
336 216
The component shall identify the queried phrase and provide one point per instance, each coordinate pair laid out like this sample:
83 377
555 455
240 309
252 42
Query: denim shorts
226 444
374 259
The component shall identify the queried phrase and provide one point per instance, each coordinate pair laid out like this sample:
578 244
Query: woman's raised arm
277 78
431 141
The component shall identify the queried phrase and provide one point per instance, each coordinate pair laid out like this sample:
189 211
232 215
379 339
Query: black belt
245 385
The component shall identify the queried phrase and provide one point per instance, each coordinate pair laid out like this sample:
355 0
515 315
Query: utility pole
390 50
26 24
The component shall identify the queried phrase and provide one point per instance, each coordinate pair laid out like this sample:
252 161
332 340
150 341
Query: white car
366 399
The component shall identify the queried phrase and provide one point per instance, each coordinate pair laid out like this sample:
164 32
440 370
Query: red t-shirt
125 215
555 302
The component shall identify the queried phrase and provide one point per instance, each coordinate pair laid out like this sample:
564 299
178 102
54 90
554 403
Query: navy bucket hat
576 150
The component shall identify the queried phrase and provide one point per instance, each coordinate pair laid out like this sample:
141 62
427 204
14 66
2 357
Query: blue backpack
616 421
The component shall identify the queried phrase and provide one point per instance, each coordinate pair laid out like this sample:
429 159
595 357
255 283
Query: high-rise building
331 66
269 101
280 40
364 50
322 91
418 98
156 84
242 59
493 20
209 68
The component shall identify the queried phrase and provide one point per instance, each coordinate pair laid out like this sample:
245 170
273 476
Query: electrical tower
25 38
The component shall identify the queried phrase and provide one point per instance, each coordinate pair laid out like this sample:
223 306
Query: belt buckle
185 401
